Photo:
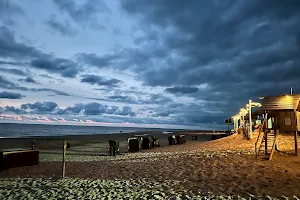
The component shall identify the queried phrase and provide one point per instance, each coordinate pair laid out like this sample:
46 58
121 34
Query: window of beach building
287 121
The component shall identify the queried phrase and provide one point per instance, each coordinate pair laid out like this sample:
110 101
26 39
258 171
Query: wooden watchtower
283 114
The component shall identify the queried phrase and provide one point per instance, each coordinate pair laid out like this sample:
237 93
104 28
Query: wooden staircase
265 143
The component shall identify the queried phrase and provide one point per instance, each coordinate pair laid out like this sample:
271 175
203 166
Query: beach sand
220 169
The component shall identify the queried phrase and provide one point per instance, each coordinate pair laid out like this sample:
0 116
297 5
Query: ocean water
27 130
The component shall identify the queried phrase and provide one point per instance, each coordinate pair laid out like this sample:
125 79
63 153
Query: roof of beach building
282 102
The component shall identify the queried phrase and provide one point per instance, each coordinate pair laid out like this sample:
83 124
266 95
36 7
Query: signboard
228 121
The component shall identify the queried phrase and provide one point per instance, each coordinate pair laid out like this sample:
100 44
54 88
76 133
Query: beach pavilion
281 115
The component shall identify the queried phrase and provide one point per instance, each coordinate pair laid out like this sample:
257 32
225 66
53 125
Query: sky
158 63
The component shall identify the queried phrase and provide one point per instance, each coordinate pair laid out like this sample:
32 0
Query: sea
14 130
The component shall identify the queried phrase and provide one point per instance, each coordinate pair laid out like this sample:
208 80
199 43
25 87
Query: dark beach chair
146 144
183 139
179 139
133 145
112 147
194 137
156 142
172 140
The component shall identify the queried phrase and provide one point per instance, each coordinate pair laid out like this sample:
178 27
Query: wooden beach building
281 115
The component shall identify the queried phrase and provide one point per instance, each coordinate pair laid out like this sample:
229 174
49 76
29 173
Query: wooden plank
273 146
258 141
266 142
18 151
296 143
64 159
19 159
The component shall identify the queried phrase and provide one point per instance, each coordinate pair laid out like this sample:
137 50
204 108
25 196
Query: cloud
88 109
125 111
6 84
9 8
117 31
12 49
46 76
40 107
66 67
63 28
241 51
84 14
182 90
98 61
95 109
57 92
14 71
9 22
12 109
123 98
10 95
99 80
28 80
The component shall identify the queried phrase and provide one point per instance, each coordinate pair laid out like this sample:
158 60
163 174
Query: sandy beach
220 169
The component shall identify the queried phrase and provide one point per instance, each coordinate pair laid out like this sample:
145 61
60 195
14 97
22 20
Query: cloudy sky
144 63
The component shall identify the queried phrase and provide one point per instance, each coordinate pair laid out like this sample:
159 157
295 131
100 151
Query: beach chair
133 145
183 139
146 144
172 140
112 147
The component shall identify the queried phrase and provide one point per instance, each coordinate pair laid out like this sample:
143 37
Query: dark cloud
63 28
95 109
6 84
12 49
9 22
227 46
40 107
99 80
182 90
243 50
195 114
9 8
98 61
133 97
83 14
14 71
57 92
46 76
12 109
164 113
28 80
10 95
123 98
126 111
158 99
66 67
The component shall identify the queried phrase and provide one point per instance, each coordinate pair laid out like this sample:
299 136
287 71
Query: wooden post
266 142
296 143
296 132
273 146
64 159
